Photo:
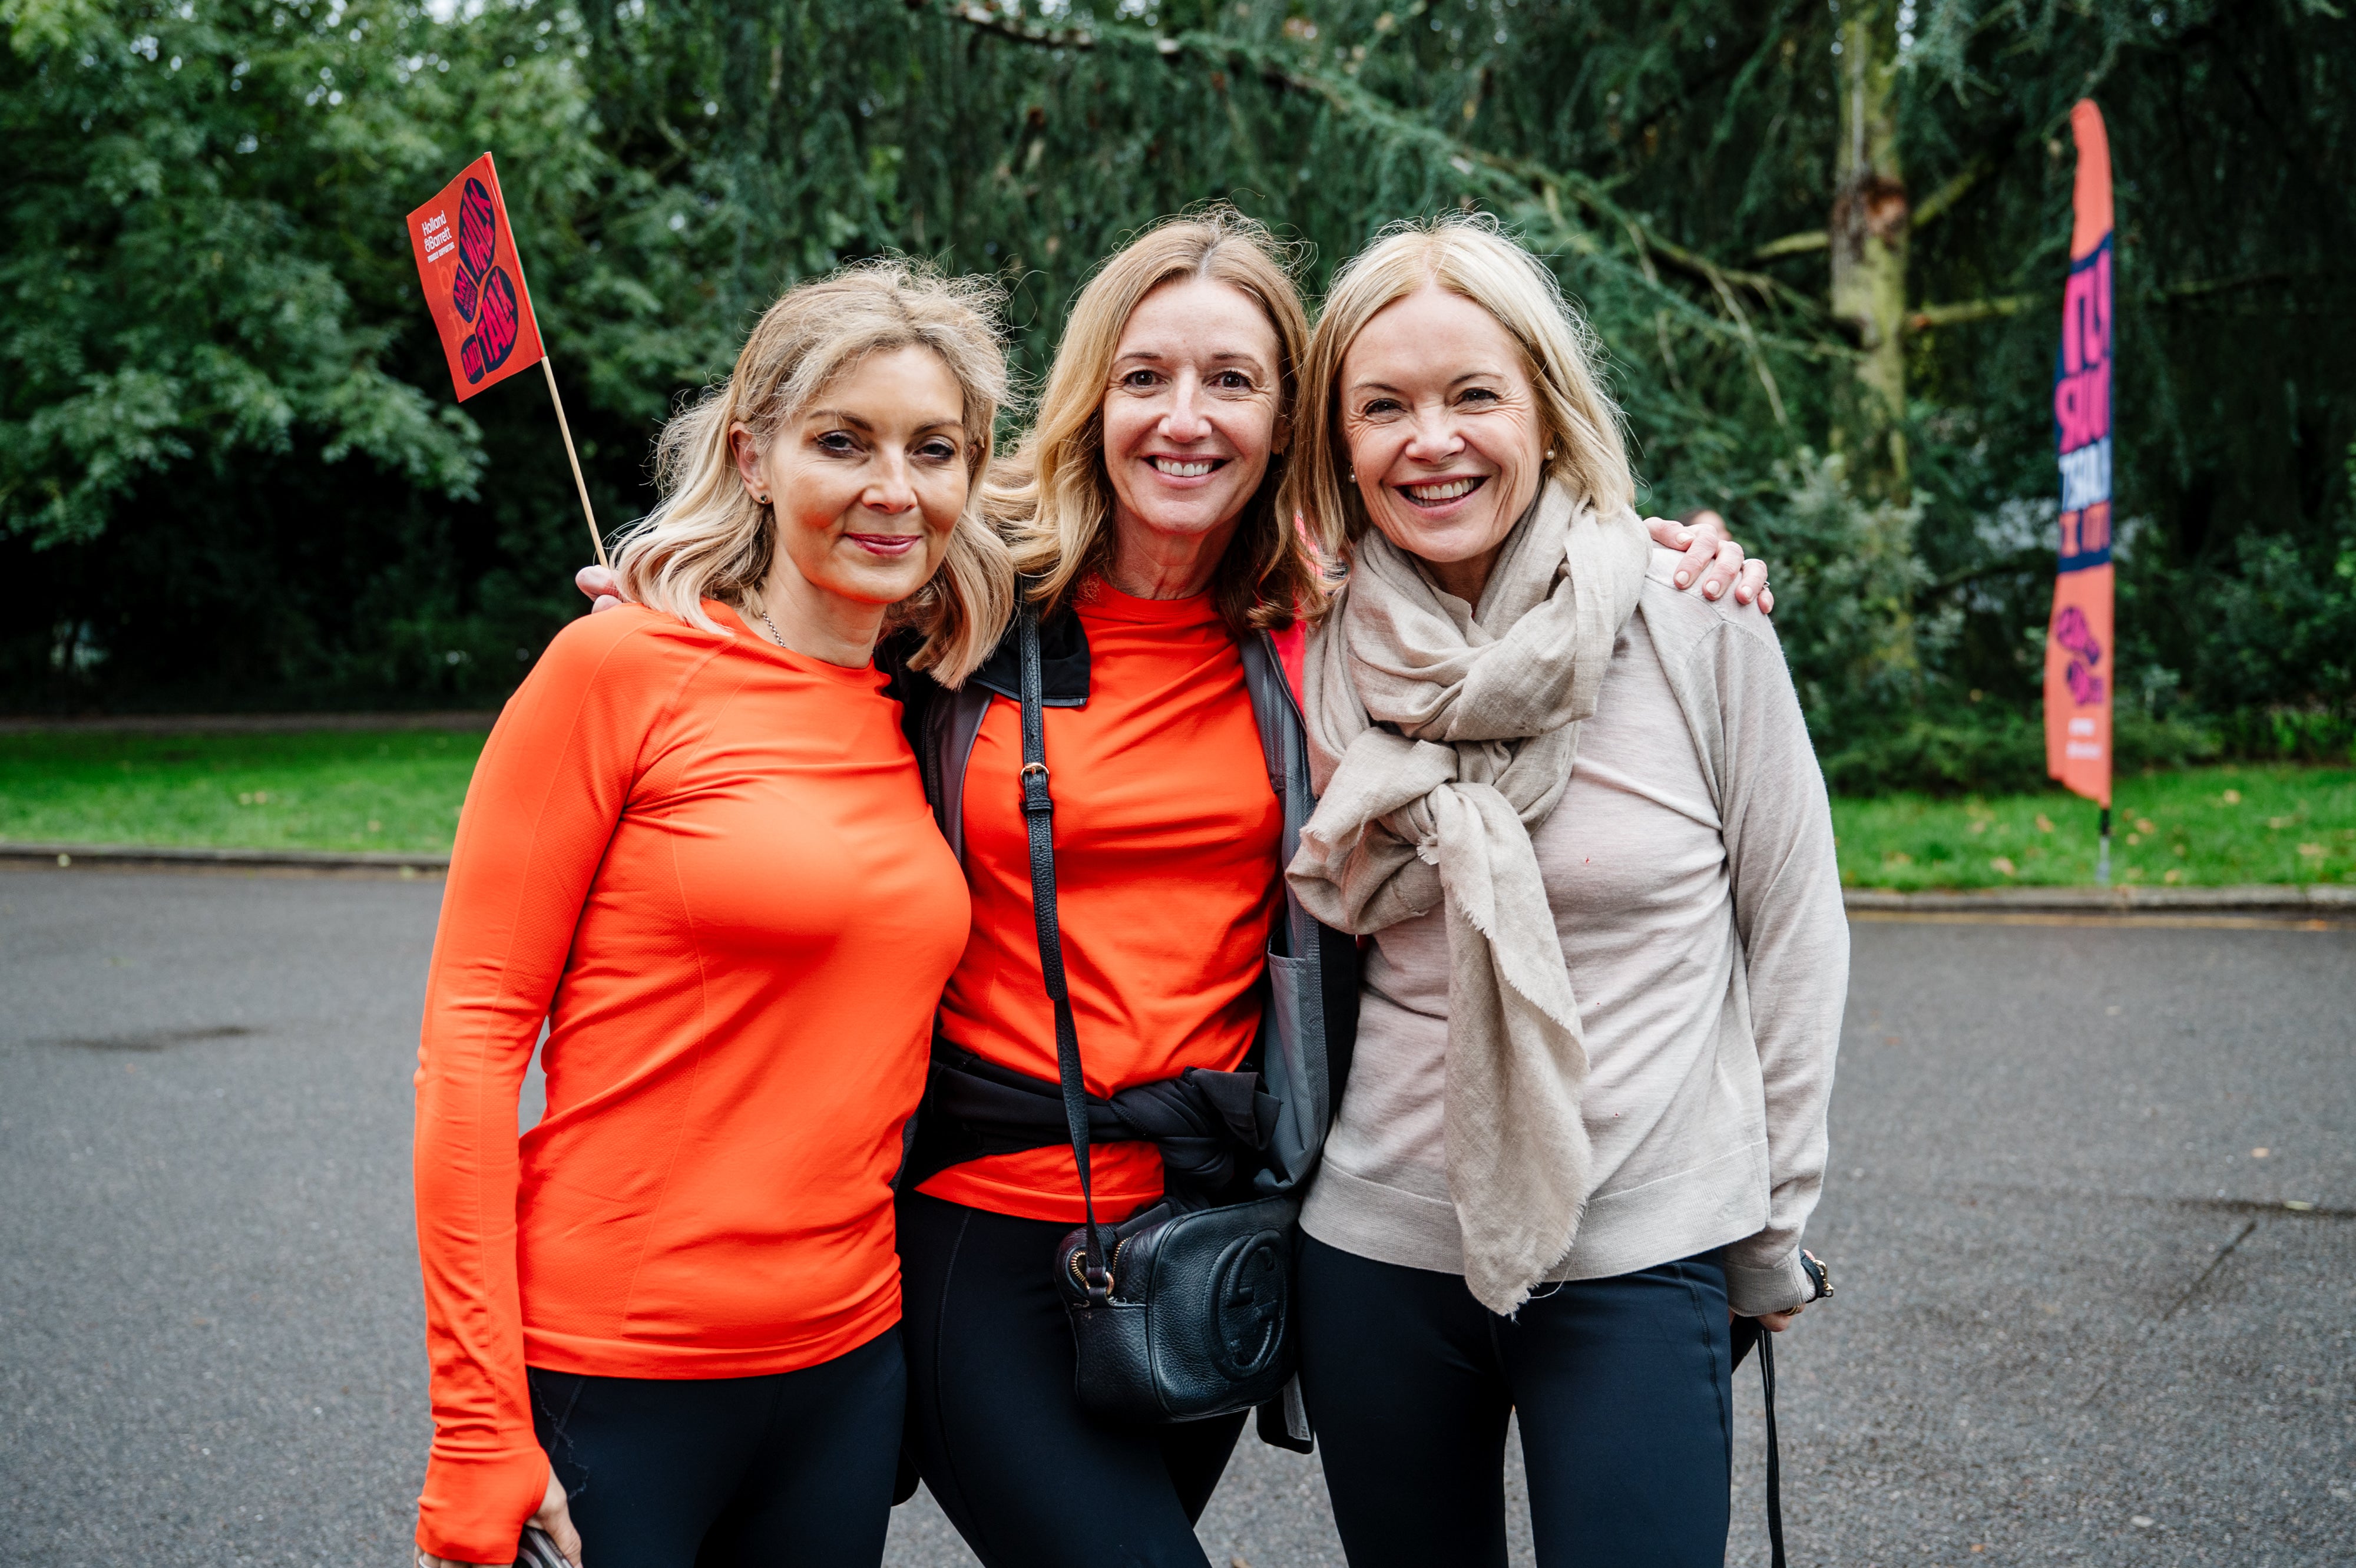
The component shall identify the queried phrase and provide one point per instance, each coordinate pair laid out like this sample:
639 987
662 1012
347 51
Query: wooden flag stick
580 484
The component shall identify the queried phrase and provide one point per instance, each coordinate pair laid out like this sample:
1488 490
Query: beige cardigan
1691 872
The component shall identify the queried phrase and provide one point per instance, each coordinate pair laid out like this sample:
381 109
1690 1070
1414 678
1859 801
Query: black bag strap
1749 1333
1774 1451
1039 817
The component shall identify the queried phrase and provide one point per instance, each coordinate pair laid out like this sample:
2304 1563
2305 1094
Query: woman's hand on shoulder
605 588
555 1516
1710 554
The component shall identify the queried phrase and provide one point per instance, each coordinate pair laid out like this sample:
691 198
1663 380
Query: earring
764 496
1353 476
1549 454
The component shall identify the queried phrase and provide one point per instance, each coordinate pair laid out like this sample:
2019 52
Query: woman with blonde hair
1159 573
663 1324
1578 813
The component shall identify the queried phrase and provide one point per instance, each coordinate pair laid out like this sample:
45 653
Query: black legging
1027 1477
1622 1386
718 1472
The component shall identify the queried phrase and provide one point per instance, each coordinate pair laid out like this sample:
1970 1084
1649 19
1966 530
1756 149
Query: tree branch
983 19
1793 246
2202 287
1968 310
1962 311
1348 99
1933 206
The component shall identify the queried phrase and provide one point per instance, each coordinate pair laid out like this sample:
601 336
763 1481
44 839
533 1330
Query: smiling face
1190 411
868 482
1443 427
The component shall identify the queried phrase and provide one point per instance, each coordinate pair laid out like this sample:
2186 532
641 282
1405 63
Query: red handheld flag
473 281
2080 666
466 258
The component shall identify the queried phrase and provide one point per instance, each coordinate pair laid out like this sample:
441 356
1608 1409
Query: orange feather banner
2080 664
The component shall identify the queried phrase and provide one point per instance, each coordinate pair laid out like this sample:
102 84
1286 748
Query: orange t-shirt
708 864
1166 834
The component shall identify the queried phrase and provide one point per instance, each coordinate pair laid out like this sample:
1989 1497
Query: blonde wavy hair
1052 497
1472 257
707 538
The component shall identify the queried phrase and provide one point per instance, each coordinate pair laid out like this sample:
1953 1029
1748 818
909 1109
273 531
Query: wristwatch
1818 1275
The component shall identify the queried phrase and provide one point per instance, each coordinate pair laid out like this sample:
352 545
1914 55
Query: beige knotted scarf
1440 735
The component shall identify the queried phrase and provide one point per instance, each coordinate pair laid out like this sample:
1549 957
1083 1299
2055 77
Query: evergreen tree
1825 244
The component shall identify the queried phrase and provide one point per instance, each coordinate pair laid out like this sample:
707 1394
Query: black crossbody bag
1177 1314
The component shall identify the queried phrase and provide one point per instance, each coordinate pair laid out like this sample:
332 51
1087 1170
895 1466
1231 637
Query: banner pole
2103 854
580 484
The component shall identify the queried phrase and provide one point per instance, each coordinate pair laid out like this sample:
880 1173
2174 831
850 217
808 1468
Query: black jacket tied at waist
1202 1122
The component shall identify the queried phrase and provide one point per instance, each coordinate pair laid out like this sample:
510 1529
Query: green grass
2204 827
395 789
401 791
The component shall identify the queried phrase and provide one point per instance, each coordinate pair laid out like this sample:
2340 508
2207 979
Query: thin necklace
773 627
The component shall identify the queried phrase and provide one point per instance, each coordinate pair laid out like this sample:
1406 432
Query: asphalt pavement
2092 1221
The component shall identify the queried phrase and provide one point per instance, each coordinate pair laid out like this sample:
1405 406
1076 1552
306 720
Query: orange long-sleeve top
707 863
1166 835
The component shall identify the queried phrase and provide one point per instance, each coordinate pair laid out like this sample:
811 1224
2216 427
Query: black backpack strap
1039 815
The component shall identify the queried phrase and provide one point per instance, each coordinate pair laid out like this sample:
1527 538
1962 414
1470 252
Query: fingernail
1685 536
1711 590
1683 579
